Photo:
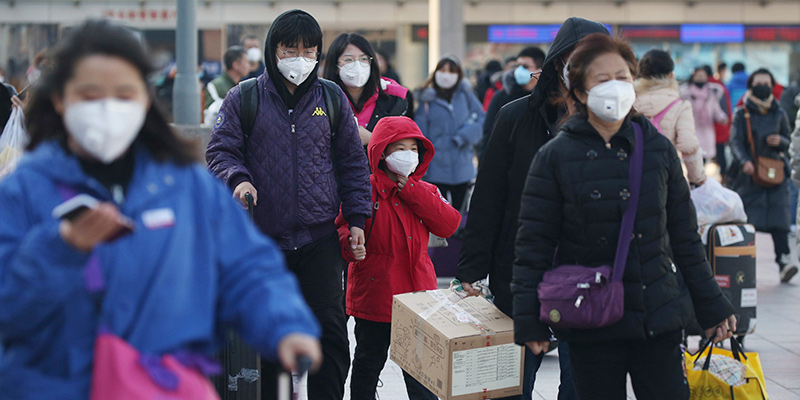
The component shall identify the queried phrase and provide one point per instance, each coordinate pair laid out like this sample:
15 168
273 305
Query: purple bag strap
92 274
626 230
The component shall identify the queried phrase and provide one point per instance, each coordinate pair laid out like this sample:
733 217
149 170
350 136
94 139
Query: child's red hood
391 129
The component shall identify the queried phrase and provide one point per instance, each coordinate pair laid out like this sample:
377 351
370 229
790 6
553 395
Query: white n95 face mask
254 54
611 101
105 128
296 69
445 80
355 74
402 162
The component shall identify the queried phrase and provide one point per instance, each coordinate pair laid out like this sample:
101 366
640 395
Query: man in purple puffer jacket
297 180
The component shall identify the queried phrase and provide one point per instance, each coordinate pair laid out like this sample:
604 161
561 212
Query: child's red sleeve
437 214
343 229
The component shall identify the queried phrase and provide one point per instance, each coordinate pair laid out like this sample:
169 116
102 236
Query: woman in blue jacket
179 259
450 116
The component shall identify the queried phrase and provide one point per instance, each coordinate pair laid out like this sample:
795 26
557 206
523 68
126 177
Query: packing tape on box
461 315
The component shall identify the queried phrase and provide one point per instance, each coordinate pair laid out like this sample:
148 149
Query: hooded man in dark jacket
517 82
299 175
522 127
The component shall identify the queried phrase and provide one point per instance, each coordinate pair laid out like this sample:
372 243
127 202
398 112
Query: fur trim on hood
646 84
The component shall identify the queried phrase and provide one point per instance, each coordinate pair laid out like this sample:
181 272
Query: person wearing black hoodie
516 83
522 127
292 132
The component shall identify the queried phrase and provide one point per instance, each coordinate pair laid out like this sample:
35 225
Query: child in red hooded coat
395 258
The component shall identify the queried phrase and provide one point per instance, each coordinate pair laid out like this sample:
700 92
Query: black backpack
248 90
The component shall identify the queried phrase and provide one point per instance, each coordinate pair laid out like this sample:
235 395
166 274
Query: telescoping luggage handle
285 384
248 198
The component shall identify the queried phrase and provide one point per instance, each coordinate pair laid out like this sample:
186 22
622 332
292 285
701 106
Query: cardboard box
459 351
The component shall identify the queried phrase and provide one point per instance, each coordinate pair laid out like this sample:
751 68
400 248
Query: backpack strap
248 91
658 117
333 102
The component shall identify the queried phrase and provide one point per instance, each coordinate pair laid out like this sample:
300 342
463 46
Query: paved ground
776 339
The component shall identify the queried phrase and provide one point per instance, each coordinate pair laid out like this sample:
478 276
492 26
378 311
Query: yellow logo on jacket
318 112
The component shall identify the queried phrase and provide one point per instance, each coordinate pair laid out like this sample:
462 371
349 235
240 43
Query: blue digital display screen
525 33
712 33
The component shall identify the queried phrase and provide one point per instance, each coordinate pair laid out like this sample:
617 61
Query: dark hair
696 70
454 65
100 37
249 37
737 67
722 65
509 60
709 72
386 58
493 66
233 54
294 28
656 64
535 53
760 71
331 71
586 51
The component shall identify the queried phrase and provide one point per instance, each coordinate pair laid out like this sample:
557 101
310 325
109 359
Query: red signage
772 33
658 32
724 281
142 15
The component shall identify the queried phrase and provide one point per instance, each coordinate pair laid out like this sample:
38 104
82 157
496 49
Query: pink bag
121 372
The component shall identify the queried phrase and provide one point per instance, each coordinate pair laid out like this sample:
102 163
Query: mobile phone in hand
74 207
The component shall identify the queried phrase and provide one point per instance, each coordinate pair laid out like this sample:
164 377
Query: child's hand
358 250
401 181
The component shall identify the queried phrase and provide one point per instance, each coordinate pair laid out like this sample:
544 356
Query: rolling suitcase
731 251
241 365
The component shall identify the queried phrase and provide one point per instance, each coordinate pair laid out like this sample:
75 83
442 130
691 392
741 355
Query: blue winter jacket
737 86
173 284
454 128
287 158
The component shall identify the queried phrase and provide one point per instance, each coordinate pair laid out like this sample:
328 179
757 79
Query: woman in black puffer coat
574 198
767 208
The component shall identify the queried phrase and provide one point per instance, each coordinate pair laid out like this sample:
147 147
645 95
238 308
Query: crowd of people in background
350 172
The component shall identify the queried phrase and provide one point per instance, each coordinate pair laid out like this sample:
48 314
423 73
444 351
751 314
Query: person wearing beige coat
656 89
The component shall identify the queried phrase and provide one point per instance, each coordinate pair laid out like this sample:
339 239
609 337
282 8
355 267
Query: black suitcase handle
248 198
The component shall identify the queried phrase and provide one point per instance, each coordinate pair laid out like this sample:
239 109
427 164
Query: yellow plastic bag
706 385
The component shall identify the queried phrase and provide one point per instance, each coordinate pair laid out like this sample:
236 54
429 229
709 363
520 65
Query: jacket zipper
296 184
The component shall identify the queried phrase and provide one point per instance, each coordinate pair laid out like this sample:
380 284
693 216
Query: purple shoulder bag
580 297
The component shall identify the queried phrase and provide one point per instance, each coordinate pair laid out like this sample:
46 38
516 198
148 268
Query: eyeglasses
309 55
347 60
536 74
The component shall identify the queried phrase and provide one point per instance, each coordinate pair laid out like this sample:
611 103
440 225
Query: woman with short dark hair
577 190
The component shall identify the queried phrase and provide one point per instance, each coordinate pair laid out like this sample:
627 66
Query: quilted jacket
288 159
573 201
454 127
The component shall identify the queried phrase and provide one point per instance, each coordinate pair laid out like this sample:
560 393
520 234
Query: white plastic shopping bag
716 204
12 142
